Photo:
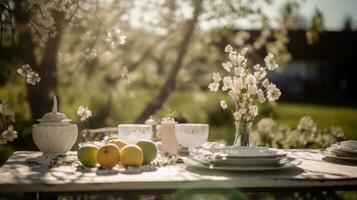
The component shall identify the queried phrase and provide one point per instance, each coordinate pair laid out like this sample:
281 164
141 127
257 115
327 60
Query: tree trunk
170 83
39 96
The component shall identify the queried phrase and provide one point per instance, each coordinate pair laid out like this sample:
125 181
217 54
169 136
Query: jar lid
168 120
150 121
54 116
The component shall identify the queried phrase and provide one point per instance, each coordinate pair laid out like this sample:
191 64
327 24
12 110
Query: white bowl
54 138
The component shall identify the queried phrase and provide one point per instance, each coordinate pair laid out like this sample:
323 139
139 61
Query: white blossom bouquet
246 87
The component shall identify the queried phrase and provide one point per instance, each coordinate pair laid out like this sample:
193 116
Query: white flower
21 72
213 87
223 104
251 80
265 125
24 70
256 67
242 84
233 56
84 113
90 54
261 97
233 94
244 51
265 83
273 93
270 62
260 73
241 60
237 116
228 48
32 78
237 85
253 111
122 39
337 132
307 124
242 110
3 105
227 83
115 38
9 134
252 90
216 77
239 71
227 66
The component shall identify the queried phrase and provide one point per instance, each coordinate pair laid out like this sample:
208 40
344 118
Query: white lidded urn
54 134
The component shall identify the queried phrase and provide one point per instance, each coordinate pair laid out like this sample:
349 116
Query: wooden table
315 173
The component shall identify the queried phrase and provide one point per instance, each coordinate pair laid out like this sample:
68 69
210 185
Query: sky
334 11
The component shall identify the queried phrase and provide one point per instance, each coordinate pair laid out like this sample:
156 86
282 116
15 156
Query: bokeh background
171 50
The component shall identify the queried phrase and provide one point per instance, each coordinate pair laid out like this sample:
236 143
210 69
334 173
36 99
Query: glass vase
243 134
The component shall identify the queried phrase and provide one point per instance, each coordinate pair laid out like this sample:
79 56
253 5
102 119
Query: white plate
247 161
248 152
351 144
344 149
340 152
330 154
194 163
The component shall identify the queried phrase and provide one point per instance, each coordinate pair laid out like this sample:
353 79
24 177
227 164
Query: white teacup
132 133
191 135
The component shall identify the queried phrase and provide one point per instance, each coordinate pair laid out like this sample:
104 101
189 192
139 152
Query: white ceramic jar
55 134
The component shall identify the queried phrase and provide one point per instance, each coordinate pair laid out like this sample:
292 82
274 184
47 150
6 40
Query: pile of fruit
116 152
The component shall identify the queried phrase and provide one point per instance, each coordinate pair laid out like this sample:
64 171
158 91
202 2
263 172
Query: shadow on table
106 172
283 173
84 170
340 162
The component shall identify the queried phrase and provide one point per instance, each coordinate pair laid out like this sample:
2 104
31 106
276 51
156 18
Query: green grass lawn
325 116
290 113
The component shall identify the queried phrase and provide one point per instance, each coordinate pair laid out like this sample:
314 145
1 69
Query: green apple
87 155
149 149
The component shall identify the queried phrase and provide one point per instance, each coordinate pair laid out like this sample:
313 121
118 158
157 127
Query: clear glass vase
243 134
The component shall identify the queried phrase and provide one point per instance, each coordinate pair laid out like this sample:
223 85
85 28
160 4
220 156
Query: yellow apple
131 155
108 156
87 155
120 143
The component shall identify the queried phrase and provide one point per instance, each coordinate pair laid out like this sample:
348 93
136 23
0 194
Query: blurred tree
38 28
170 82
316 27
348 24
70 44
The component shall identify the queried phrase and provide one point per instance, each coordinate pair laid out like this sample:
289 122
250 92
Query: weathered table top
314 172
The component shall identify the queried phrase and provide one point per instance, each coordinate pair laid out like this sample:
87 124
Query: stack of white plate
345 150
240 159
